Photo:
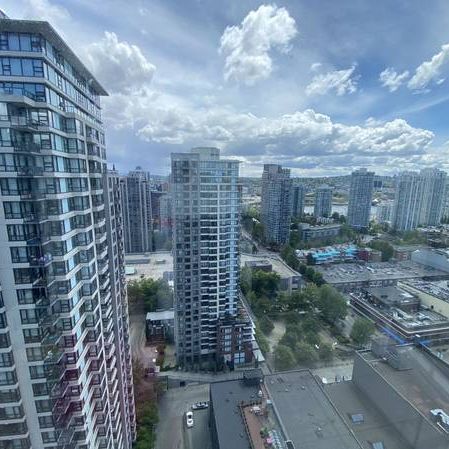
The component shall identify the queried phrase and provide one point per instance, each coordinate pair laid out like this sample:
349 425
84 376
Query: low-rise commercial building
400 313
398 398
290 279
434 258
328 254
349 277
310 232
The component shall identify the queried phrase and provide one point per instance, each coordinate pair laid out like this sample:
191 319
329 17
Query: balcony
25 123
26 147
42 261
30 172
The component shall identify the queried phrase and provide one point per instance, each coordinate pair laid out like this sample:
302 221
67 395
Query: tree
361 331
151 293
384 247
325 352
305 353
266 325
312 337
265 284
258 231
246 277
264 346
310 259
284 358
332 304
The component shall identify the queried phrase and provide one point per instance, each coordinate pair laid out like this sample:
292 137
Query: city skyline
321 96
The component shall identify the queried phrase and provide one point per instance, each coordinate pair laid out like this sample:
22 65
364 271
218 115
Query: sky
321 87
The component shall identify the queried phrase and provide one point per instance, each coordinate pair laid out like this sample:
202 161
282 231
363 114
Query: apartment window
49 437
40 389
45 422
34 354
32 335
11 413
37 372
6 359
8 378
5 342
43 405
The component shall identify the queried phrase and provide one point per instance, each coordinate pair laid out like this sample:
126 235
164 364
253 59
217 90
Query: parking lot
172 432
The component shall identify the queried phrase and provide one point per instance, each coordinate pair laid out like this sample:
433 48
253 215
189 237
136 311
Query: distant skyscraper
66 373
434 190
276 208
136 205
407 201
165 211
384 211
323 201
419 199
360 197
298 200
206 229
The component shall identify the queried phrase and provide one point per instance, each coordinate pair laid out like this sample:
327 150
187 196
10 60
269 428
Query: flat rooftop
346 273
307 416
439 289
425 385
392 294
364 419
226 397
278 266
149 265
161 316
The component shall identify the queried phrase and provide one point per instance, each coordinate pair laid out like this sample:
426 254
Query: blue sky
319 86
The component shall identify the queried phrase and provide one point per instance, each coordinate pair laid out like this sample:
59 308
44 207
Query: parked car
200 405
189 419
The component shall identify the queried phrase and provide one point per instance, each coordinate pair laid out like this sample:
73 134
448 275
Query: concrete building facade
276 207
360 197
66 373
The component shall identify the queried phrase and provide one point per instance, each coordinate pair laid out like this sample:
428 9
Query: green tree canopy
284 358
384 247
332 304
305 353
266 325
325 352
151 293
361 331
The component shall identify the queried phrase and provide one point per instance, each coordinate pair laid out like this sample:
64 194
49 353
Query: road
171 432
145 354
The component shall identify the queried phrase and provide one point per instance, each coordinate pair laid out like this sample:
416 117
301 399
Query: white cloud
339 80
247 46
44 10
118 65
315 66
429 70
303 134
391 79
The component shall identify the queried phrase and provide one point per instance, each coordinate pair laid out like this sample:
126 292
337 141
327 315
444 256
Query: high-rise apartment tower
323 201
360 197
276 208
65 372
209 325
137 213
298 200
